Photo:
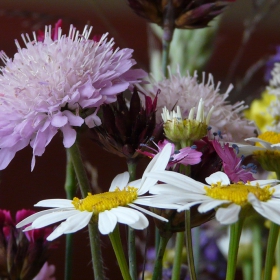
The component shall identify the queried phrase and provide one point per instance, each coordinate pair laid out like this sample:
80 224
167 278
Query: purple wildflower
270 64
232 164
185 156
56 85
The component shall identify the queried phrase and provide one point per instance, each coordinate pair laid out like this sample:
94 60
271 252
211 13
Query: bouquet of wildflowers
211 211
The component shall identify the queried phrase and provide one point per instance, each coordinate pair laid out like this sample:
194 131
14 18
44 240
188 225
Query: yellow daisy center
269 136
238 192
105 201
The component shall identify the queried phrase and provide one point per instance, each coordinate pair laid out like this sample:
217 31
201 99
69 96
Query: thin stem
70 189
131 165
81 176
168 30
247 270
257 252
271 244
235 232
157 275
178 256
277 257
118 249
189 245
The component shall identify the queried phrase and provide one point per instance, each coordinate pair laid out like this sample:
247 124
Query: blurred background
21 188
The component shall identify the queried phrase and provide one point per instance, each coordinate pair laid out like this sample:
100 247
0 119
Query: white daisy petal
55 203
78 221
33 217
165 189
228 215
142 222
158 163
178 180
125 215
263 183
106 222
58 231
218 177
269 209
158 202
120 181
148 212
53 217
211 204
187 206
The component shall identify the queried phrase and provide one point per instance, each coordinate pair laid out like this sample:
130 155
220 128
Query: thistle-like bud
187 14
125 126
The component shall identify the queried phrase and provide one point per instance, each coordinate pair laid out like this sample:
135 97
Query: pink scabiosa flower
46 272
23 254
232 164
185 156
186 91
57 84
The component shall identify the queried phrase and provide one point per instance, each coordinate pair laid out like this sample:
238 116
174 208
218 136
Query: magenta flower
232 164
23 254
57 84
185 156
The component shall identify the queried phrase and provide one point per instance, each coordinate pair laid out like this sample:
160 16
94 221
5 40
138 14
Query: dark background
21 188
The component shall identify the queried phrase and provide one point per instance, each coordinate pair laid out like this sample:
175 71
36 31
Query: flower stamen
238 192
106 201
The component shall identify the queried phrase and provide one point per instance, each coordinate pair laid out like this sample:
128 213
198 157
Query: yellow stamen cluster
238 192
105 201
270 136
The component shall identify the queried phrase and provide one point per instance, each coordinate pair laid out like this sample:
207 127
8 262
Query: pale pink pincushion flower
57 84
186 92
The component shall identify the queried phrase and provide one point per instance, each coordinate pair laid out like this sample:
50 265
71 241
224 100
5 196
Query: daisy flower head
58 84
186 91
119 204
261 195
266 150
192 128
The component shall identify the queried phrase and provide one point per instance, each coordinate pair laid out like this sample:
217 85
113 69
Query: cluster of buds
185 14
22 254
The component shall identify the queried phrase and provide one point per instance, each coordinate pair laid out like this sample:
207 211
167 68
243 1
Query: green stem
277 257
247 270
178 256
118 249
235 232
189 245
168 30
157 274
257 252
131 165
70 189
271 244
196 247
81 176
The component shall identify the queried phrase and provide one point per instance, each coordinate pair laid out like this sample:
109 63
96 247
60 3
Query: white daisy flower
109 207
262 195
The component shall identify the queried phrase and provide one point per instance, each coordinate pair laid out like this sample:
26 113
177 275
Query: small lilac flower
270 64
232 164
57 84
185 156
